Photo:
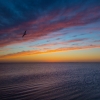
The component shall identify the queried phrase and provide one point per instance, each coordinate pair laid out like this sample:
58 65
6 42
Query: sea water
50 81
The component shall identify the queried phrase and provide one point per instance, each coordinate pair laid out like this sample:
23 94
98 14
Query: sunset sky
57 30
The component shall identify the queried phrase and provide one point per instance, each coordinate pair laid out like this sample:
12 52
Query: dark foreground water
50 81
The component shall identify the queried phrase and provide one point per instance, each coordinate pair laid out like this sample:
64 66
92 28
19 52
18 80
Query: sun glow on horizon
62 32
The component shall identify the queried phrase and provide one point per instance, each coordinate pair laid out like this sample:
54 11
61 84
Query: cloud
43 17
25 53
60 43
77 40
97 41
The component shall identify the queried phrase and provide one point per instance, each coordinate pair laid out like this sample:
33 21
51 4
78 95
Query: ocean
50 81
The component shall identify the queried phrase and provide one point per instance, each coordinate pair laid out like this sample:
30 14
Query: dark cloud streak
41 17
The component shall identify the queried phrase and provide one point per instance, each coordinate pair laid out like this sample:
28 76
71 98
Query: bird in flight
24 34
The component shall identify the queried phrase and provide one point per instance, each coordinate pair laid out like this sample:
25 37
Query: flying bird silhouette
24 34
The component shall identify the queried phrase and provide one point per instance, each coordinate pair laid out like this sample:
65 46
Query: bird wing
24 34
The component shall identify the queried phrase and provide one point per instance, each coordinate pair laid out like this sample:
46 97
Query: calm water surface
50 81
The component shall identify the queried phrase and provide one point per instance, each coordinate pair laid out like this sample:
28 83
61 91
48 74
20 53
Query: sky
56 30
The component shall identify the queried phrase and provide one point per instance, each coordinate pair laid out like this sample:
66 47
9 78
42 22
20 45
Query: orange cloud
24 53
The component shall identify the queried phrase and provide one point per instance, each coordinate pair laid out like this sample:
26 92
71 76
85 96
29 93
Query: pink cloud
45 27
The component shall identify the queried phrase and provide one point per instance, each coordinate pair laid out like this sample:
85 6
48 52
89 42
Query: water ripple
58 82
